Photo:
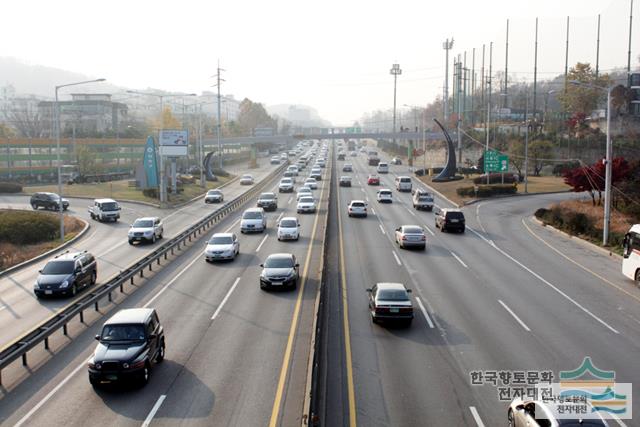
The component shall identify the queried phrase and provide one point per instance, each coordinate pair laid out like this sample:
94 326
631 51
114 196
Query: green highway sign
503 161
494 161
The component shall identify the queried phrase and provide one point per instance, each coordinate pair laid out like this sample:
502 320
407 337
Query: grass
120 190
11 254
537 184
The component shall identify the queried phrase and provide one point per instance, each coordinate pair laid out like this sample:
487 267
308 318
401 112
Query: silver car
246 179
214 196
411 236
146 229
222 246
253 220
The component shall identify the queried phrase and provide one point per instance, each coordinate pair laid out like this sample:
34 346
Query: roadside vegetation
27 234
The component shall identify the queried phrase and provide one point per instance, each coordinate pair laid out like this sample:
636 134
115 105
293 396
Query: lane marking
226 297
280 216
459 260
476 416
580 265
373 211
345 323
232 225
618 420
410 211
429 230
289 201
382 229
275 411
261 243
176 277
424 312
395 255
526 328
155 408
546 282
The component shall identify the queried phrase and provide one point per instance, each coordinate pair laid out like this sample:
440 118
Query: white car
214 196
286 185
321 162
293 169
357 208
146 229
303 191
316 169
222 246
383 167
246 179
289 228
253 219
306 204
384 196
283 156
311 183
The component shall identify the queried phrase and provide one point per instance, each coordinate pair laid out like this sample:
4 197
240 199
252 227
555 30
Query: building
87 113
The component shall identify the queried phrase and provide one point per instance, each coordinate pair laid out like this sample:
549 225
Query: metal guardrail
41 333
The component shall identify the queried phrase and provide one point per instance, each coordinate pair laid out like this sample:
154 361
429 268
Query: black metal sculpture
449 171
208 170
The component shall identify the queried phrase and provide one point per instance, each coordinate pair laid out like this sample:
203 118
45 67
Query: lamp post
161 96
608 160
395 72
57 126
424 136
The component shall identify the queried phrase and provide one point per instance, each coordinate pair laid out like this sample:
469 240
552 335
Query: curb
506 196
48 253
578 239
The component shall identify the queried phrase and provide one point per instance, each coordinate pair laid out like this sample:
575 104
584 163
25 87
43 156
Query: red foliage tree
592 178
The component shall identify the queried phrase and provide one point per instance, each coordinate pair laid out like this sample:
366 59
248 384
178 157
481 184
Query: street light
161 96
395 72
424 138
609 154
57 123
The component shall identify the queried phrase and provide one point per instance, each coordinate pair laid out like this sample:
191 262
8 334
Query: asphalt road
236 355
20 310
494 298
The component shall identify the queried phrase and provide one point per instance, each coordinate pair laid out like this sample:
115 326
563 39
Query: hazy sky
332 55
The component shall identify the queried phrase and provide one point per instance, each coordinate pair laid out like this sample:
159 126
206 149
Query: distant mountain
39 80
299 115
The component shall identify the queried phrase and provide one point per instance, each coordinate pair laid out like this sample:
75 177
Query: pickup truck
105 210
422 200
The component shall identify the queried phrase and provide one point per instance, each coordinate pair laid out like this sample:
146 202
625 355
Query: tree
539 152
592 178
167 120
85 159
253 115
6 131
580 98
515 151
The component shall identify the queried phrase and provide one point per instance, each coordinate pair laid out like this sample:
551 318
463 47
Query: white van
383 167
403 183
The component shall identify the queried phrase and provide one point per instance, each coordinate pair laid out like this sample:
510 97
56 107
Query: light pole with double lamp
56 109
608 160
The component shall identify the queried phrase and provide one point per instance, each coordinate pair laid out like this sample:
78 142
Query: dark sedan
390 301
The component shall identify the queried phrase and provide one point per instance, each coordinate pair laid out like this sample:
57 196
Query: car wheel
407 323
160 356
94 383
93 278
373 319
153 238
638 276
510 419
462 231
74 290
92 216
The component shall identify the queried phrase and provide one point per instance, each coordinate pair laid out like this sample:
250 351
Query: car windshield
357 204
278 263
247 177
405 179
285 181
122 333
267 196
143 223
110 206
392 295
455 215
425 198
288 223
306 199
413 230
58 267
213 192
252 215
385 193
221 240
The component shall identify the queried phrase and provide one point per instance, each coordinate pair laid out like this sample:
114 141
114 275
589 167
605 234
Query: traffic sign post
491 161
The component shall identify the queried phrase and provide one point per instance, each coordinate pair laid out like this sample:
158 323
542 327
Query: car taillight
138 365
406 309
404 237
423 238
382 310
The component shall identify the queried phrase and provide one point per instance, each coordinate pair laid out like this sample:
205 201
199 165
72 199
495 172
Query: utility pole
598 49
608 166
447 45
566 68
506 68
219 127
489 78
629 51
482 80
459 81
526 142
395 72
473 86
535 72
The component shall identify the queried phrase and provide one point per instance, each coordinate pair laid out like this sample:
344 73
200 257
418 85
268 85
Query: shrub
487 190
578 223
10 187
496 178
150 192
24 228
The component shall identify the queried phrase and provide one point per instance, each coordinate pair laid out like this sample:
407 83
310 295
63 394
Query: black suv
66 274
130 342
268 201
48 201
450 219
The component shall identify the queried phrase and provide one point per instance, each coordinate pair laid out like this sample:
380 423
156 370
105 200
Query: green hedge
24 228
487 190
10 187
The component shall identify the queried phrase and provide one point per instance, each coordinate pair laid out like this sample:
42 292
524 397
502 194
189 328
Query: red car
373 180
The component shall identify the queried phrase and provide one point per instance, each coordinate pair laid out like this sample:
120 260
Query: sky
332 55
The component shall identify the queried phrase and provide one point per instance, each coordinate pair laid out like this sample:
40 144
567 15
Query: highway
494 298
236 355
20 308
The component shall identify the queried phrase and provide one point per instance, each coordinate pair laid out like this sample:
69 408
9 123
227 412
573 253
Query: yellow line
580 265
345 318
275 411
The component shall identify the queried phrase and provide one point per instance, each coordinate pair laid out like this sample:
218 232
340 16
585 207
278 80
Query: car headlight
125 365
64 284
36 285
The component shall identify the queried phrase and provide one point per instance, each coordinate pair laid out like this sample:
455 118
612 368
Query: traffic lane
392 386
477 330
595 275
184 327
110 246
